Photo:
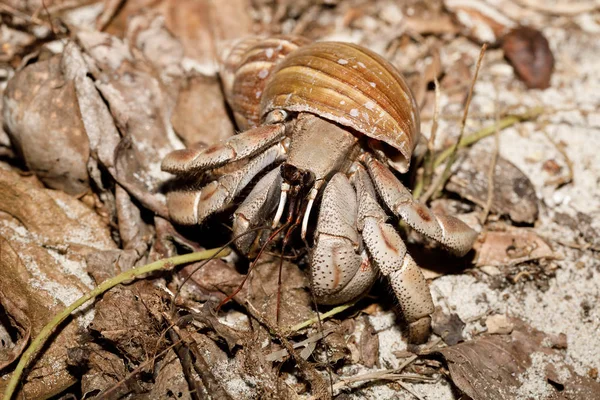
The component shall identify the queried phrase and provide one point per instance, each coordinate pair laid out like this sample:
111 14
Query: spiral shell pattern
350 85
246 69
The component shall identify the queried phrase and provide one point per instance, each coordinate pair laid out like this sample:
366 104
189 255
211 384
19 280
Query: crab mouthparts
299 185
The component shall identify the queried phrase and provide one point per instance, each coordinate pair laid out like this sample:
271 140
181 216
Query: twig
200 365
561 180
388 374
140 368
198 390
279 354
124 277
439 183
430 156
491 173
570 8
323 316
31 18
309 371
504 123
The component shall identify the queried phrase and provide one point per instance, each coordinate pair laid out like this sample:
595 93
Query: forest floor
96 93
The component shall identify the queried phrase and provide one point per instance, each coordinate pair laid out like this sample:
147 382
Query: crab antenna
311 199
252 265
285 187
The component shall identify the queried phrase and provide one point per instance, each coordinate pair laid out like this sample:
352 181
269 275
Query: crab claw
451 232
339 272
389 253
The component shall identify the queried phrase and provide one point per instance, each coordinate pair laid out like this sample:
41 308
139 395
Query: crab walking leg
193 206
451 232
260 203
238 147
339 272
389 253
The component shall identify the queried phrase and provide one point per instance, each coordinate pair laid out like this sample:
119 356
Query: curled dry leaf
296 304
511 247
369 345
515 366
448 327
513 195
129 318
170 381
140 108
200 115
45 236
104 369
529 53
45 125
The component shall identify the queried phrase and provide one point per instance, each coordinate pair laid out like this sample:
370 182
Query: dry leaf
529 53
499 324
170 382
448 327
45 125
129 318
511 247
513 195
200 115
515 366
45 236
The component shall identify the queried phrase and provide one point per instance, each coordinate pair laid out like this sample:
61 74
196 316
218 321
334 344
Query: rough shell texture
350 85
245 70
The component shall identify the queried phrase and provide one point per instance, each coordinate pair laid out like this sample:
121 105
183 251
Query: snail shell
245 70
352 86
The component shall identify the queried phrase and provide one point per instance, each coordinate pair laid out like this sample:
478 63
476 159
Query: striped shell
352 86
245 70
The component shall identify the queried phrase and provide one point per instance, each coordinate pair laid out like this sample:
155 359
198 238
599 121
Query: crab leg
389 253
236 148
261 202
451 232
339 270
191 207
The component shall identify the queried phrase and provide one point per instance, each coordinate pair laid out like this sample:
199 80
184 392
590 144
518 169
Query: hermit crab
325 125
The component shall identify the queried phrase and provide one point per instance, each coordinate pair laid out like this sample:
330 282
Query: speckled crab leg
451 232
260 203
389 253
238 147
340 270
191 207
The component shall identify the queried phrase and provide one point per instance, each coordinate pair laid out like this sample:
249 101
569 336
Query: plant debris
95 94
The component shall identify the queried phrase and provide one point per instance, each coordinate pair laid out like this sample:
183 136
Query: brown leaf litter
521 365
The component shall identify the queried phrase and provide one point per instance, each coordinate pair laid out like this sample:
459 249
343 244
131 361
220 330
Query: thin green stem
504 123
323 316
124 277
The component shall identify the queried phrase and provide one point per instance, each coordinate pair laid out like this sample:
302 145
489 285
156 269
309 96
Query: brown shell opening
390 155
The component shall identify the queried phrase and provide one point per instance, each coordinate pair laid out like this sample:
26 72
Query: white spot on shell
342 102
263 73
341 61
369 105
258 93
372 84
354 112
269 53
361 64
